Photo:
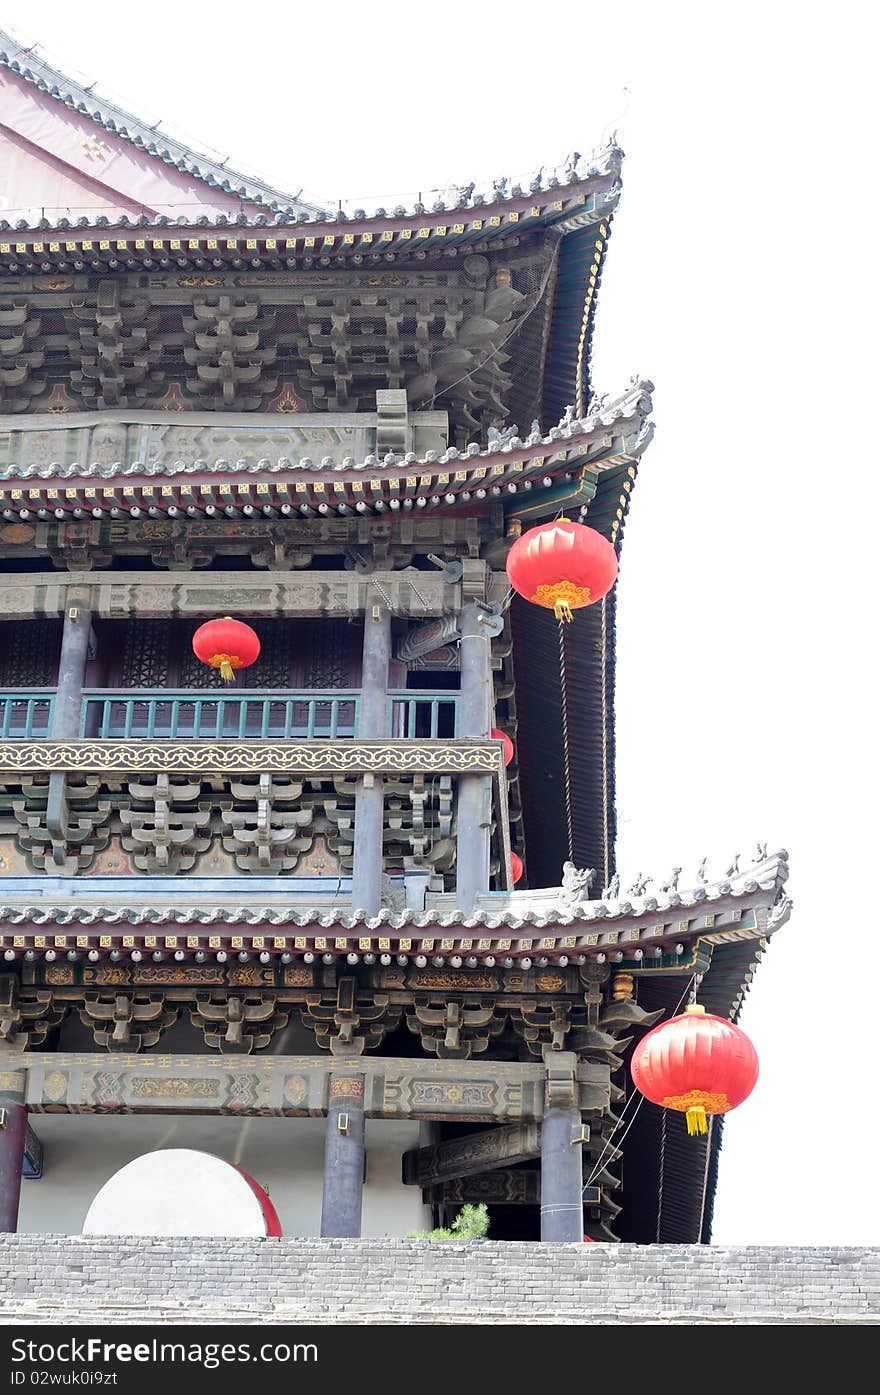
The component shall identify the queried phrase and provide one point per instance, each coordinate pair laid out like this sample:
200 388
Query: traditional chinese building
277 917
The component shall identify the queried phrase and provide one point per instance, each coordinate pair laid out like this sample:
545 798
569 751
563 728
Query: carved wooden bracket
455 1030
238 1023
165 838
127 1022
266 838
27 1018
352 1023
63 823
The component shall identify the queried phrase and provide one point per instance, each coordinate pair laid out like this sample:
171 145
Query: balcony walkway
114 714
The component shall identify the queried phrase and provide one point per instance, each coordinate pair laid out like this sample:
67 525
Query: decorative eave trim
678 938
613 433
549 188
203 245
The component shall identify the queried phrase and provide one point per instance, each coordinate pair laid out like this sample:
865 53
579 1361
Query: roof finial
612 124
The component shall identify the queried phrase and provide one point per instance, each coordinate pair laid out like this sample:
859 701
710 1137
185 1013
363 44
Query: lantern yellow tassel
225 664
696 1120
562 596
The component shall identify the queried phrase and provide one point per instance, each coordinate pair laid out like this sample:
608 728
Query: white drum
179 1191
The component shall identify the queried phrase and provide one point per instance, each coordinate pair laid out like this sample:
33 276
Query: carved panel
145 655
328 662
471 1154
272 669
508 1187
29 657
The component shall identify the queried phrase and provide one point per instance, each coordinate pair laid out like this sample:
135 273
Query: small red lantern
506 742
516 866
226 644
563 566
698 1064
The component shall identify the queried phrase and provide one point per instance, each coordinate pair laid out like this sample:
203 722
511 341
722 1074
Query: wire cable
690 989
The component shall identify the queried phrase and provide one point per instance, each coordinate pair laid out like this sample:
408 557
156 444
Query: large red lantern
226 644
506 742
697 1063
516 867
562 566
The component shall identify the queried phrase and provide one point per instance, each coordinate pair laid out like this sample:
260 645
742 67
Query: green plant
471 1223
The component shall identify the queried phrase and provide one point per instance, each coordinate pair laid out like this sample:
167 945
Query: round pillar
344 1158
562 1207
12 1136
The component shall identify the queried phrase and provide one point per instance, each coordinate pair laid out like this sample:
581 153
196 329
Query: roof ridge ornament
576 883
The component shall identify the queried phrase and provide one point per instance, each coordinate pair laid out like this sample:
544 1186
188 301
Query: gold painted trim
559 501
242 757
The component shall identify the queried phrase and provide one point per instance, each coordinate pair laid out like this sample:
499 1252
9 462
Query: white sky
739 279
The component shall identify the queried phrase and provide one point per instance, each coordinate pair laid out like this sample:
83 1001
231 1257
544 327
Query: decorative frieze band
243 757
61 1082
421 595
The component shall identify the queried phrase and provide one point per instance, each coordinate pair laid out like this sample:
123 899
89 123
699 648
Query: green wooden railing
420 714
215 716
113 714
26 714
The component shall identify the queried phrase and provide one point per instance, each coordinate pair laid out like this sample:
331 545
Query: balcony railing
217 716
26 714
423 714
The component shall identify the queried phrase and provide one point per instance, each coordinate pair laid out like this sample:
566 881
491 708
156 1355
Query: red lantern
562 566
516 866
502 736
698 1064
226 644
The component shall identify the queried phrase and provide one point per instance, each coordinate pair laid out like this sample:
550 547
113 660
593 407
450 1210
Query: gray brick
85 1279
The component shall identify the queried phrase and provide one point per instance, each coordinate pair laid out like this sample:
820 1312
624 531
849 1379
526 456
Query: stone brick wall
87 1279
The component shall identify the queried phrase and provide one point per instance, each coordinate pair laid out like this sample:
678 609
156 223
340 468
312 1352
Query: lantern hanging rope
562 566
611 1140
697 1064
226 644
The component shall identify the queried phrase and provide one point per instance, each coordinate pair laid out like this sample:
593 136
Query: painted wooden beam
394 1088
472 1154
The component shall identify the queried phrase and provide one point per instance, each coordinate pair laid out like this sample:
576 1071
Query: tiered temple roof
174 339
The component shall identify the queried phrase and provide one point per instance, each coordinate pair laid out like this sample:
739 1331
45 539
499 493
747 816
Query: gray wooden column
474 816
562 1207
67 713
12 1136
562 1167
366 889
344 1158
